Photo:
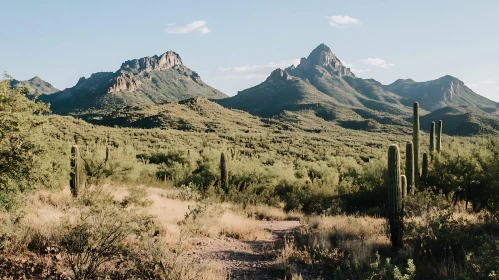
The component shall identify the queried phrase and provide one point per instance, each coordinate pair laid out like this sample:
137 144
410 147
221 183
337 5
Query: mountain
323 84
138 82
439 93
35 85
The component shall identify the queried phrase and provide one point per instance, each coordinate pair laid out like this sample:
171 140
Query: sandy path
244 259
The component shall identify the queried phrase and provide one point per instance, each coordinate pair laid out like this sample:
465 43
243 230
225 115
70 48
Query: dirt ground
244 259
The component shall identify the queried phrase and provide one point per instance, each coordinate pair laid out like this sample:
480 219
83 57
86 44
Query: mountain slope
35 85
196 114
323 84
439 93
278 93
138 82
463 121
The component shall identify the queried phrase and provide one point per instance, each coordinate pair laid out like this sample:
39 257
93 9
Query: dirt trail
245 259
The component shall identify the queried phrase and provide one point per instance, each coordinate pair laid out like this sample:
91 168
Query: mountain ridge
36 86
439 93
138 82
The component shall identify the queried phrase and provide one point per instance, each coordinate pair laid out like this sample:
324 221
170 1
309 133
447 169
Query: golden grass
361 237
269 213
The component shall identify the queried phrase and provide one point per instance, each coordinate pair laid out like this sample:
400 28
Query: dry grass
218 220
361 237
269 213
177 222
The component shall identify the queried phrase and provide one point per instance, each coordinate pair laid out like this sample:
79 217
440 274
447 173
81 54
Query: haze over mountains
320 84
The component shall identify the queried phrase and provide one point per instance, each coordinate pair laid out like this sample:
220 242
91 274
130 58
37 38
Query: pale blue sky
236 44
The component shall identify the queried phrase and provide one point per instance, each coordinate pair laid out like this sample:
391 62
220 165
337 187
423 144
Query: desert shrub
325 260
98 237
425 202
454 173
153 260
253 194
367 192
173 165
166 158
484 262
449 246
360 189
470 174
205 175
14 233
387 270
119 166
484 194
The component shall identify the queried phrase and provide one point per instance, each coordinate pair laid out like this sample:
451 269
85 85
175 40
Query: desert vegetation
82 201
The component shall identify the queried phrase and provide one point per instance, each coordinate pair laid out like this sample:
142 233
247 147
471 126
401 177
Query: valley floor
223 238
242 259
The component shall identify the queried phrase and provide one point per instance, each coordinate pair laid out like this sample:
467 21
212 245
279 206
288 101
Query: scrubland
304 201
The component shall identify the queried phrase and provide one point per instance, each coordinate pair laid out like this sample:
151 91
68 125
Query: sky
234 45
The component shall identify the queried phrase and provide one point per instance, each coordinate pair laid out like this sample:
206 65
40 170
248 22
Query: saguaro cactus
439 137
424 174
432 138
403 179
224 175
415 143
395 206
74 182
409 167
107 154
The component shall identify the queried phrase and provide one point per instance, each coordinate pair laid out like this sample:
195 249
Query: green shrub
23 156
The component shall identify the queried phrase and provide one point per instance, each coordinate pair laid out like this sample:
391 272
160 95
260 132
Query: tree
21 148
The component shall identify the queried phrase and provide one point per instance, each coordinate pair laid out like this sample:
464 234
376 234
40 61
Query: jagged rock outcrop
155 63
278 76
124 82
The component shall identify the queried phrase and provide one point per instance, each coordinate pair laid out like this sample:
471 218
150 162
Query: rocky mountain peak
155 63
322 56
278 76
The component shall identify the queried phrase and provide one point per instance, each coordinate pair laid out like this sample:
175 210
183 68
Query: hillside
35 85
138 82
439 93
463 121
196 114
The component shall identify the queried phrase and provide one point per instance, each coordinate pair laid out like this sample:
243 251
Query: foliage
97 238
23 161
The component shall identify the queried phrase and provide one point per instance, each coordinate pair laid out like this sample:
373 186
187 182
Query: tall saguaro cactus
415 143
432 138
409 167
224 174
424 174
403 179
439 137
74 182
395 206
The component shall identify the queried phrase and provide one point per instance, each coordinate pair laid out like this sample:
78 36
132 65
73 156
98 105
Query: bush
97 238
23 162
